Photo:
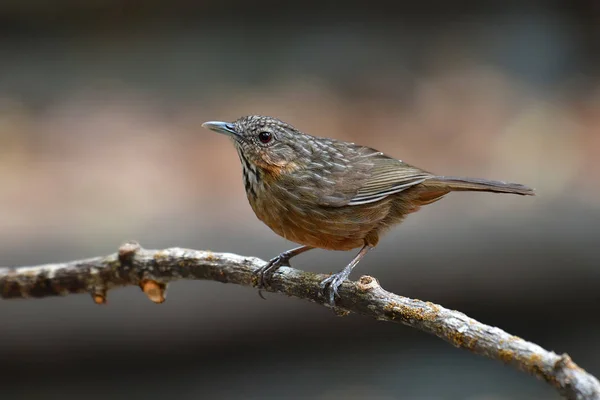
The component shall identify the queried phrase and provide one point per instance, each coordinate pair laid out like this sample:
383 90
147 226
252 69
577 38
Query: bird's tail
454 183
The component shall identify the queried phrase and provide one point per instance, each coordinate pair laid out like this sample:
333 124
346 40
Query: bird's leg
266 272
330 285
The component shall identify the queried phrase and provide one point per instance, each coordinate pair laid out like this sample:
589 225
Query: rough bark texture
151 270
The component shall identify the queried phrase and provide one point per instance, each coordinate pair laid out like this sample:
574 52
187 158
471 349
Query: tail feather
453 183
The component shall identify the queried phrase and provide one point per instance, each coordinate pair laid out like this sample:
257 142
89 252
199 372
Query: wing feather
387 176
355 175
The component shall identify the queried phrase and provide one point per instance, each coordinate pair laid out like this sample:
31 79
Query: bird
330 194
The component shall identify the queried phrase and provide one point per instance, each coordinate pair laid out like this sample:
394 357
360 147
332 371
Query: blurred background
100 142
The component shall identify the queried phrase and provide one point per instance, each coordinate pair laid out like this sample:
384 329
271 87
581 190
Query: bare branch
151 270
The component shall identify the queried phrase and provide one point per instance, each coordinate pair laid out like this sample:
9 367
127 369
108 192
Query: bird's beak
226 128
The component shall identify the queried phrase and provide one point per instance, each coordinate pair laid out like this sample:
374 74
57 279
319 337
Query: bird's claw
265 273
329 286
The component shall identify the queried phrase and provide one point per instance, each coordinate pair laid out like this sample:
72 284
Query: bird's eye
265 137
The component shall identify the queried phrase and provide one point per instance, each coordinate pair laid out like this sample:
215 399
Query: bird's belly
331 228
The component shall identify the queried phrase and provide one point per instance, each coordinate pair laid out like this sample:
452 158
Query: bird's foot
329 286
265 273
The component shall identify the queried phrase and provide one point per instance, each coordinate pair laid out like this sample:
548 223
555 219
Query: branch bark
151 270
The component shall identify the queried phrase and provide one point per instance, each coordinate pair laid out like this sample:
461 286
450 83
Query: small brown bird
328 194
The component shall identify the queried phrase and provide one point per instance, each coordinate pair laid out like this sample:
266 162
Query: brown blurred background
100 142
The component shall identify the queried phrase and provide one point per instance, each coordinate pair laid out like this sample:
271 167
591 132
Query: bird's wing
361 175
387 176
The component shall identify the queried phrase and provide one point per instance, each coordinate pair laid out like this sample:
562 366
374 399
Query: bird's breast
293 213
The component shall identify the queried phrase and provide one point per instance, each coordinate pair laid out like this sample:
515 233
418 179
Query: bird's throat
252 175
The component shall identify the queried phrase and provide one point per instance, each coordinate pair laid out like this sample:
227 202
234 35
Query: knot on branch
156 291
565 362
366 283
99 295
127 251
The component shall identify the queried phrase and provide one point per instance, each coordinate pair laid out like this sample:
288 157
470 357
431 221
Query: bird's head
265 142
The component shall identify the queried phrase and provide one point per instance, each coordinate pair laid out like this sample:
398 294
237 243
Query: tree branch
153 269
